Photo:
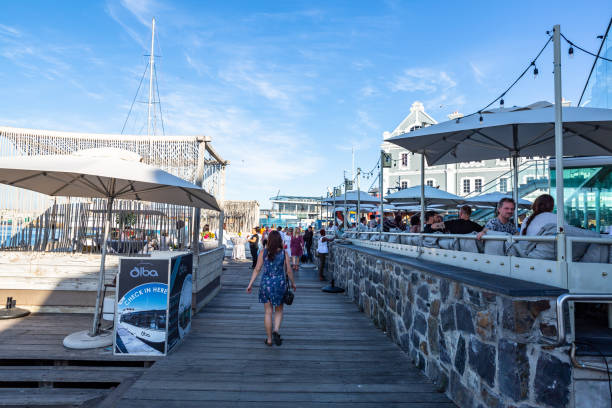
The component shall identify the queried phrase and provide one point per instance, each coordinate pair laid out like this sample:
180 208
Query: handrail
493 182
574 297
534 238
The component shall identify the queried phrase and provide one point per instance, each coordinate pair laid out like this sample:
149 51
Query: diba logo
140 271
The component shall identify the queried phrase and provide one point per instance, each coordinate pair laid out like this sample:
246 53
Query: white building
464 179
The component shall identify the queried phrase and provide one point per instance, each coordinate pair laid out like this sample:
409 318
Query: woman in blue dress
276 267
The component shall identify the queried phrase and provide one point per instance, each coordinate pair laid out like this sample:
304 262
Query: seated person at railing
415 223
388 223
430 221
501 223
399 223
462 225
542 214
363 222
372 223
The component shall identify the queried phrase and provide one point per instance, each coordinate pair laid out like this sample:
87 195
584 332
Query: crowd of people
542 214
296 241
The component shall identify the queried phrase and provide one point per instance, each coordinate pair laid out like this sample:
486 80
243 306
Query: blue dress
273 281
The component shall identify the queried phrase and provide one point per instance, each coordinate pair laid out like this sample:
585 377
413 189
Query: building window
466 186
429 183
404 159
404 184
503 185
478 185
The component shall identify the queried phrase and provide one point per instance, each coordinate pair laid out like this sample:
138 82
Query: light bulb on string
480 113
501 102
535 72
570 51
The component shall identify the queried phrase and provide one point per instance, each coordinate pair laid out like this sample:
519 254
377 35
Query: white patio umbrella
352 197
417 208
101 173
513 132
491 199
412 196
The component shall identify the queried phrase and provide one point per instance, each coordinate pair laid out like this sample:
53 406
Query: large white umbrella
513 132
102 173
433 195
491 199
520 131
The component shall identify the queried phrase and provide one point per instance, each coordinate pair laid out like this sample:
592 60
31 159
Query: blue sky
284 89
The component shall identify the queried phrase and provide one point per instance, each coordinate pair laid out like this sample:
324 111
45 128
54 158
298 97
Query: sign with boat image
153 304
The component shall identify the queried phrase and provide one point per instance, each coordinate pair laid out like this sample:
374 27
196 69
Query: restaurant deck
332 354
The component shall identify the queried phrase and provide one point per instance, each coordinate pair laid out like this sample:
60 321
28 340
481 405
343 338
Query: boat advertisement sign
181 289
141 311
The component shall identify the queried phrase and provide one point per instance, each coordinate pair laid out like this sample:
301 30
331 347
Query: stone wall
481 344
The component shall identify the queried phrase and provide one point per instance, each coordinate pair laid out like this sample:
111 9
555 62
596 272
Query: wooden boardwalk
331 354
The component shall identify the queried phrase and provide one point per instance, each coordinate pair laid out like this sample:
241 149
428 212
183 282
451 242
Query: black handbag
288 296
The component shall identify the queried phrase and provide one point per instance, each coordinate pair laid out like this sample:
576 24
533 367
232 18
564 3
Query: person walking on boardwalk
308 235
323 250
276 269
254 246
297 248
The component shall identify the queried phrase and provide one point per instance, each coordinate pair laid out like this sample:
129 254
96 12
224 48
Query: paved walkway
331 354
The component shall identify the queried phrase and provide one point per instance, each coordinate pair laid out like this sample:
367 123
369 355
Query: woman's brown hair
275 244
544 203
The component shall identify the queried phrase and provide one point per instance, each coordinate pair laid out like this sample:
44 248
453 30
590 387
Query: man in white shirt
323 250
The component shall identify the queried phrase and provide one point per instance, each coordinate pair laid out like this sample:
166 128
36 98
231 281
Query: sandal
267 344
277 338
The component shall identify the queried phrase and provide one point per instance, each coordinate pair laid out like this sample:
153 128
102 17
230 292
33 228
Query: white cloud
143 10
264 154
478 74
422 79
245 76
368 90
113 13
197 66
9 31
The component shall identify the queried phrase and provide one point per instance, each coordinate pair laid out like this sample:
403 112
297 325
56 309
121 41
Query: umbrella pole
345 210
561 243
380 191
515 191
358 216
96 320
423 191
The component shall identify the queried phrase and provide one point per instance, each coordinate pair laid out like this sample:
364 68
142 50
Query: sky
286 89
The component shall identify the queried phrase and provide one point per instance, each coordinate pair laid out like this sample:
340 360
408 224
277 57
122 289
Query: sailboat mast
152 67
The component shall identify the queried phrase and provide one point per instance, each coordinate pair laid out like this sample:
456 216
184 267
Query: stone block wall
481 347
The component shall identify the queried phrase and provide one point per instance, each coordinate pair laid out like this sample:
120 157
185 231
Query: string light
572 45
535 70
503 94
571 51
501 102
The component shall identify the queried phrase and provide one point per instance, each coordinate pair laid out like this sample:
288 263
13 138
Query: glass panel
466 186
588 196
478 185
503 185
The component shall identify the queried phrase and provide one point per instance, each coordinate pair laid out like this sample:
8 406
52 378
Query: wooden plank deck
331 354
37 370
